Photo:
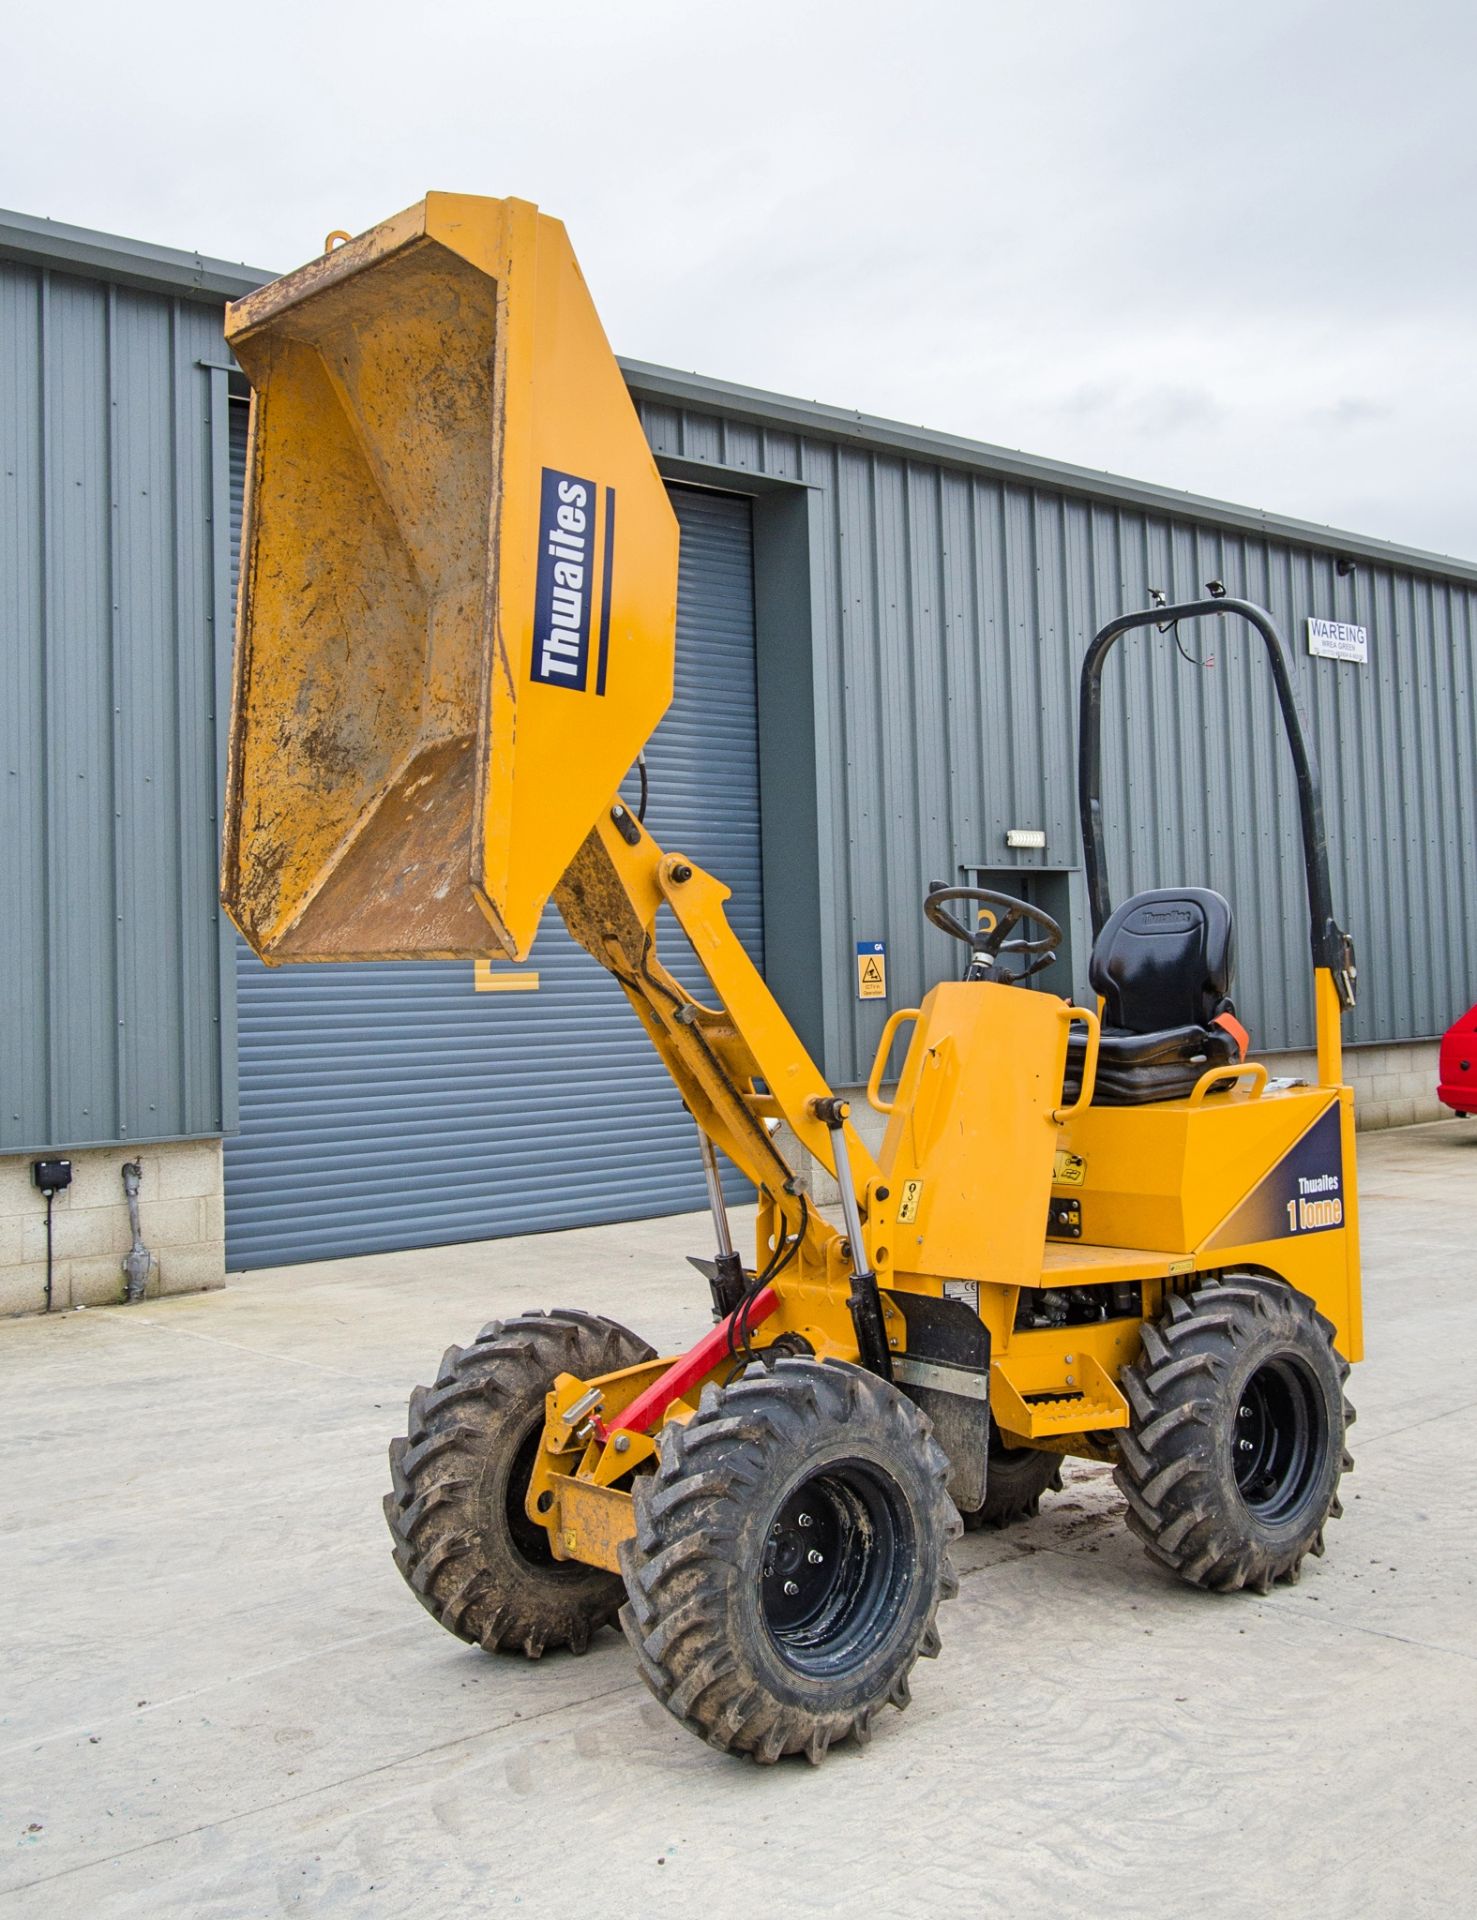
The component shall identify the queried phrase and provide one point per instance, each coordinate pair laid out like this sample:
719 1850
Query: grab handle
1089 1062
1213 1076
884 1048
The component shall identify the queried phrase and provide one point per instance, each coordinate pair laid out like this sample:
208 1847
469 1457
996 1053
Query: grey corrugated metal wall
109 934
390 1106
947 592
954 611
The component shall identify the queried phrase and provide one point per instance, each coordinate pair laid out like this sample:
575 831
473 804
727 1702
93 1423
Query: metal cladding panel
108 945
954 606
392 1105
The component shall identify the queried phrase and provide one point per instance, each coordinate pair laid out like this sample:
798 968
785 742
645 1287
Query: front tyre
1232 1459
468 1550
790 1554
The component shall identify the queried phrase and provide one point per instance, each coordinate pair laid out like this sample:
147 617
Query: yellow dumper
1096 1230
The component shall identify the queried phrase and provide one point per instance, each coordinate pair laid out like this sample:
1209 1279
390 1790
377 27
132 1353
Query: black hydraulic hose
739 1348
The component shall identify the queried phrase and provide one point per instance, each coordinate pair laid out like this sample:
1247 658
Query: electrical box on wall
51 1176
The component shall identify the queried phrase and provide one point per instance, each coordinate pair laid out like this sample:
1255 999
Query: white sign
1333 640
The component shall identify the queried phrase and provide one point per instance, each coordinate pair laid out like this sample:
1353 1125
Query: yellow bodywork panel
1167 1175
458 589
972 1126
1239 1179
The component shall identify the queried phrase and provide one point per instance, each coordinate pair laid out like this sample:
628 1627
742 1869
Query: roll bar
1331 946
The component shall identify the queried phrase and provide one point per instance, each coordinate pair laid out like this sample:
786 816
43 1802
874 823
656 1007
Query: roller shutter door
389 1106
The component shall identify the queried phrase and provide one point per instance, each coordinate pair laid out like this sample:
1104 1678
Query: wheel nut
1244 1445
816 1559
805 1521
791 1589
1243 1413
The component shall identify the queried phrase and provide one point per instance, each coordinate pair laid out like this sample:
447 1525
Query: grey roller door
240 417
388 1106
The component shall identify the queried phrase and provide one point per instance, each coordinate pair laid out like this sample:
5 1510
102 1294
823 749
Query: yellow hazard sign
907 1211
1070 1169
871 969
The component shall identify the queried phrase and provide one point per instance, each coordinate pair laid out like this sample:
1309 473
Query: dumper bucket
458 590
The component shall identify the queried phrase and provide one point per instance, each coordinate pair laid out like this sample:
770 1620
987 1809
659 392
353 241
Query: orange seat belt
1237 1032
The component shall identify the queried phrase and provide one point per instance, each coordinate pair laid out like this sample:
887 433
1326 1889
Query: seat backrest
1164 959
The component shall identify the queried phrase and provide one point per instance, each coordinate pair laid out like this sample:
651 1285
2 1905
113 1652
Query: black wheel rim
528 1537
1279 1441
836 1557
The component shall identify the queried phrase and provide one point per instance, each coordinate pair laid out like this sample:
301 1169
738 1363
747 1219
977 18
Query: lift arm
739 1065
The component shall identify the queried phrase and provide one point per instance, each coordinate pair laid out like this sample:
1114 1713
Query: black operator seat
1163 965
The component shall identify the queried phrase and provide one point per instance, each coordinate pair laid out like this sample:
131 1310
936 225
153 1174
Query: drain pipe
138 1261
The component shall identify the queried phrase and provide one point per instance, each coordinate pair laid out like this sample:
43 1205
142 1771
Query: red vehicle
1457 1086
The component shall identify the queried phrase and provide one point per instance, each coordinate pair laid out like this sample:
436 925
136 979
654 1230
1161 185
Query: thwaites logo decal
575 526
1304 1192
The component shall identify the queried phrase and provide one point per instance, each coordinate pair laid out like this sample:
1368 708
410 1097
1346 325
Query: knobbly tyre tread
1015 1480
691 1601
451 1539
1166 1467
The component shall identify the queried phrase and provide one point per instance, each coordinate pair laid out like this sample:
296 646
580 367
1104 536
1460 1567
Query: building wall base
181 1213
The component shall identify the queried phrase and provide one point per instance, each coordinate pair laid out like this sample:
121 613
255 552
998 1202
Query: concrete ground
218 1700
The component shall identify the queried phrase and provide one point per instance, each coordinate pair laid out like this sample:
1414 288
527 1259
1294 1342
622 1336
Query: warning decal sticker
871 969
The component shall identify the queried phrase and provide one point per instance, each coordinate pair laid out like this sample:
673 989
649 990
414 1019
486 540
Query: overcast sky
1228 247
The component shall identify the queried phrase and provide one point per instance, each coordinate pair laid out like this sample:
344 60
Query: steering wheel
986 945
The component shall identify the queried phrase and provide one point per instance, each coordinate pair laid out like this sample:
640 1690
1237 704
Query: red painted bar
648 1407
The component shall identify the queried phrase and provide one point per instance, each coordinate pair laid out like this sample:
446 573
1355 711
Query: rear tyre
1232 1459
1015 1480
790 1554
467 1549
